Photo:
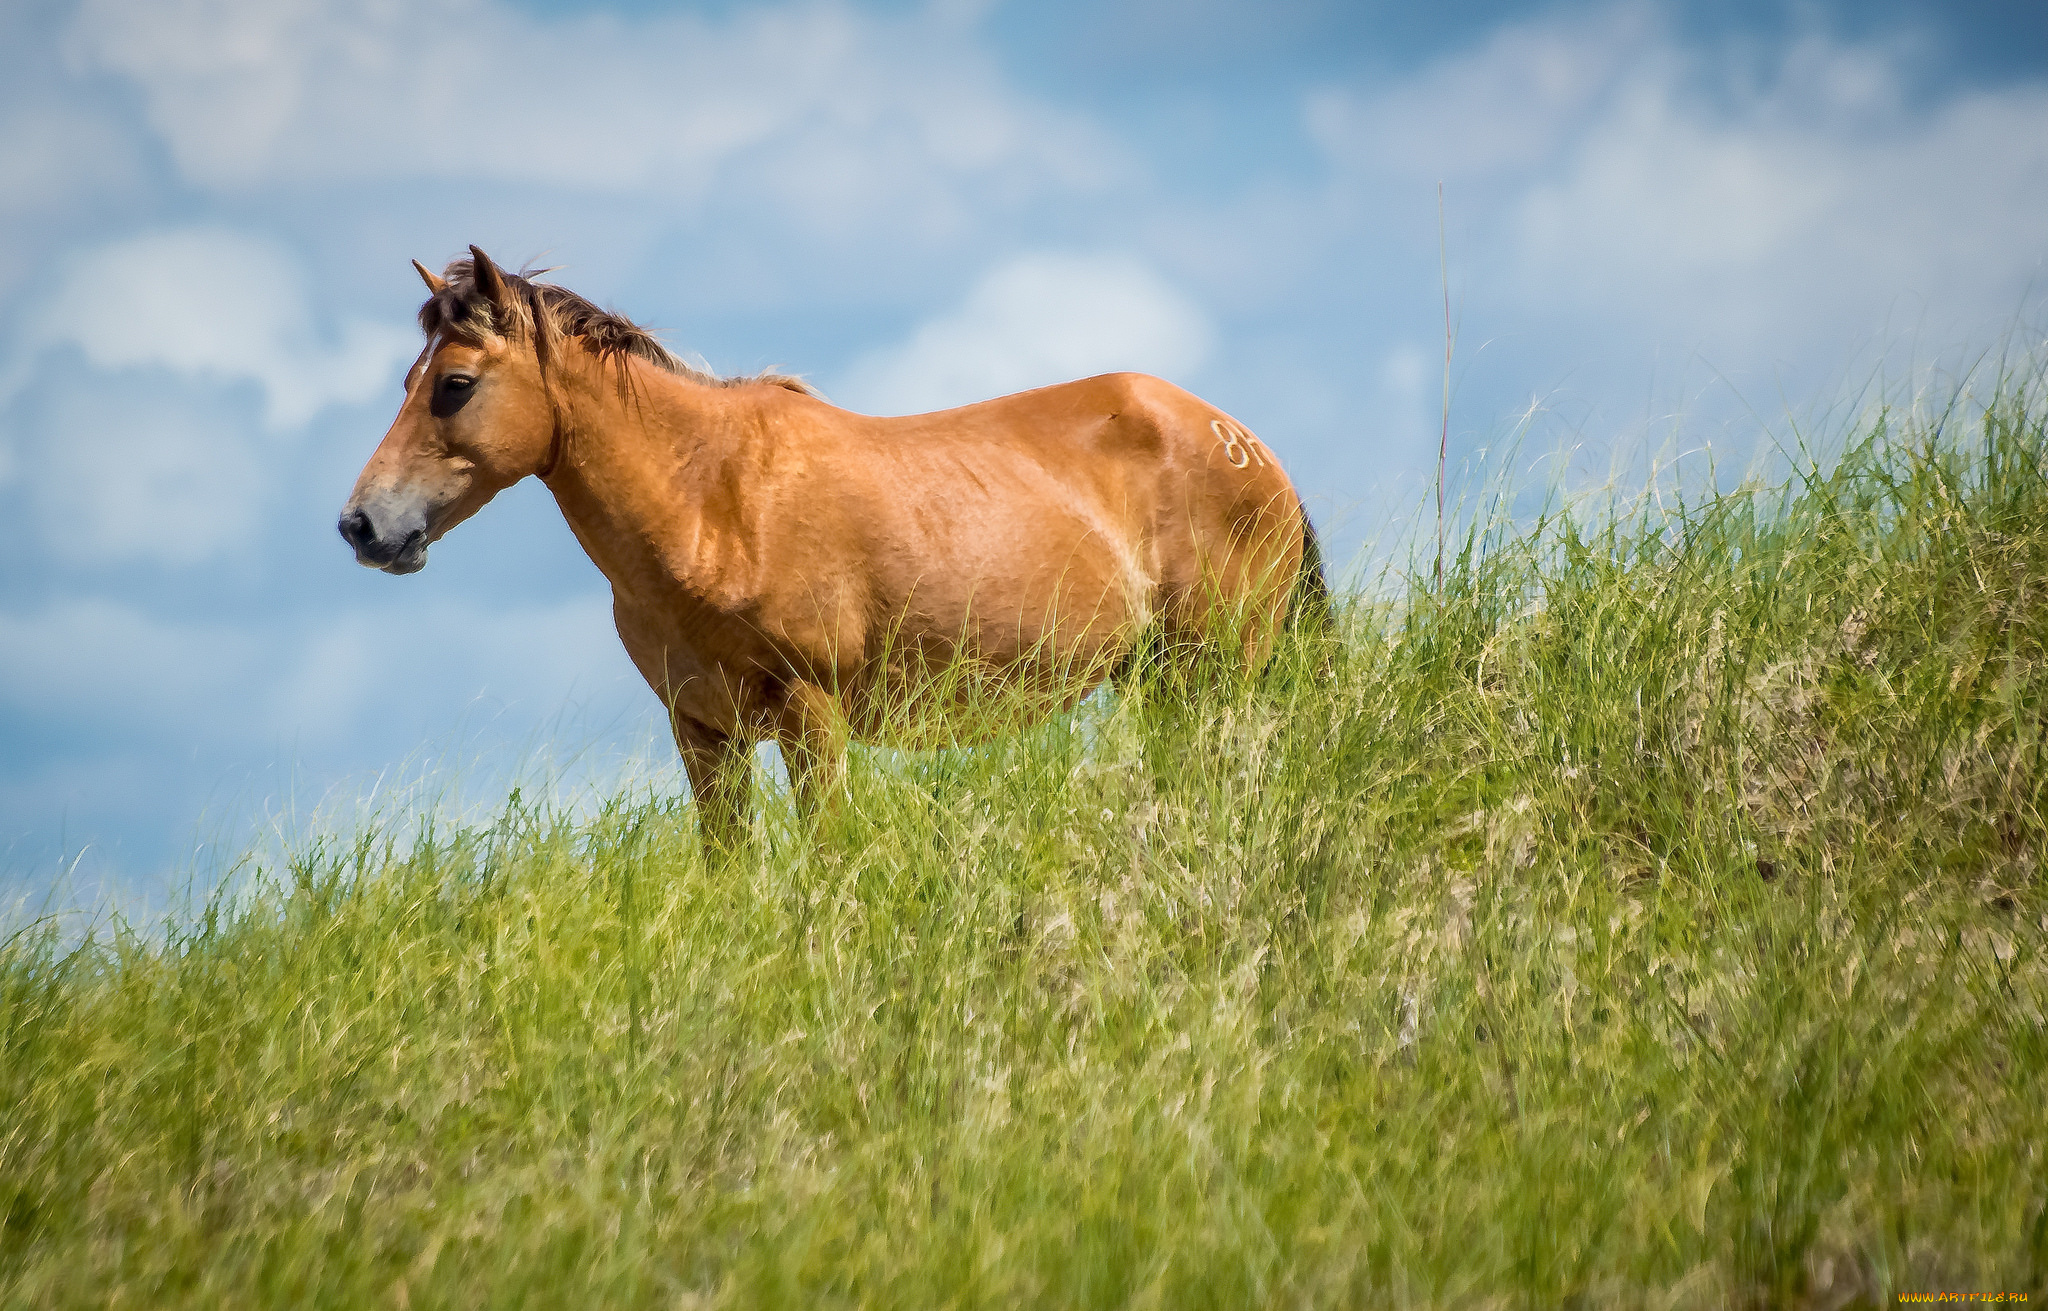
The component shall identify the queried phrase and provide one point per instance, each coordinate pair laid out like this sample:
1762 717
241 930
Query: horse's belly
990 647
1007 611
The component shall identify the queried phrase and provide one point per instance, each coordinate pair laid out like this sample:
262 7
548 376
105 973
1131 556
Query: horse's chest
708 667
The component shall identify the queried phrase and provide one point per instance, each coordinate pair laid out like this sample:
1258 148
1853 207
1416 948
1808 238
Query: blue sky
1661 219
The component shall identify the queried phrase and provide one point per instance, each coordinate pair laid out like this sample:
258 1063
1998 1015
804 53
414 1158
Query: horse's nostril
355 528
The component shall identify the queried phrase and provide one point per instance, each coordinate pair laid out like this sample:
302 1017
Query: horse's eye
451 394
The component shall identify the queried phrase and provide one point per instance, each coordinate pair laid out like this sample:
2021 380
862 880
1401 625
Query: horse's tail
1308 606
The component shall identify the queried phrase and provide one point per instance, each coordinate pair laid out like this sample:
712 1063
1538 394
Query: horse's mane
551 313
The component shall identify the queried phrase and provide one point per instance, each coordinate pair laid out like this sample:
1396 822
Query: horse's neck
639 479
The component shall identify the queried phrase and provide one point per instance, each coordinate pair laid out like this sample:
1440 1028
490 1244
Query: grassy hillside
1651 915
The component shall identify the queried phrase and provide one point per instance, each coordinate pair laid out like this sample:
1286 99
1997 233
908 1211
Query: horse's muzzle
400 552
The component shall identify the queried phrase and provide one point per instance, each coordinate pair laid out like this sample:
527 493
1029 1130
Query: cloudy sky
1660 218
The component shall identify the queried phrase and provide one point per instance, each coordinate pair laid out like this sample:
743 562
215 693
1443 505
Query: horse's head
477 417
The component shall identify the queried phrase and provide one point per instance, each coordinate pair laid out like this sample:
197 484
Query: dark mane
462 311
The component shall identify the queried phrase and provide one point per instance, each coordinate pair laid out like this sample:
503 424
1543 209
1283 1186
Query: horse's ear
435 285
492 284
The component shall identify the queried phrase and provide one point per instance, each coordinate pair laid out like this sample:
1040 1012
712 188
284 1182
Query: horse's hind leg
721 769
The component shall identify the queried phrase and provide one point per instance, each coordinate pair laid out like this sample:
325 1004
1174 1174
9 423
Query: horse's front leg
721 768
812 735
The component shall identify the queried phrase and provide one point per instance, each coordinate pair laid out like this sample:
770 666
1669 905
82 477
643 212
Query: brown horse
785 569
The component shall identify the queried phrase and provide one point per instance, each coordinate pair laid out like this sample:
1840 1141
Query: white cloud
106 663
64 160
1503 108
419 660
1034 320
1601 169
138 467
1812 202
1756 227
119 473
815 102
110 663
55 155
223 307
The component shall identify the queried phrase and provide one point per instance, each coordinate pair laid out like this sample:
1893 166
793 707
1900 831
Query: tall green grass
1650 916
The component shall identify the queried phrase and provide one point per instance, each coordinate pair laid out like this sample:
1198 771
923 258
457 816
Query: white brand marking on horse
1239 446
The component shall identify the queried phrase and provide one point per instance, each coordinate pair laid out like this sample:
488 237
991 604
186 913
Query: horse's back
1065 517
